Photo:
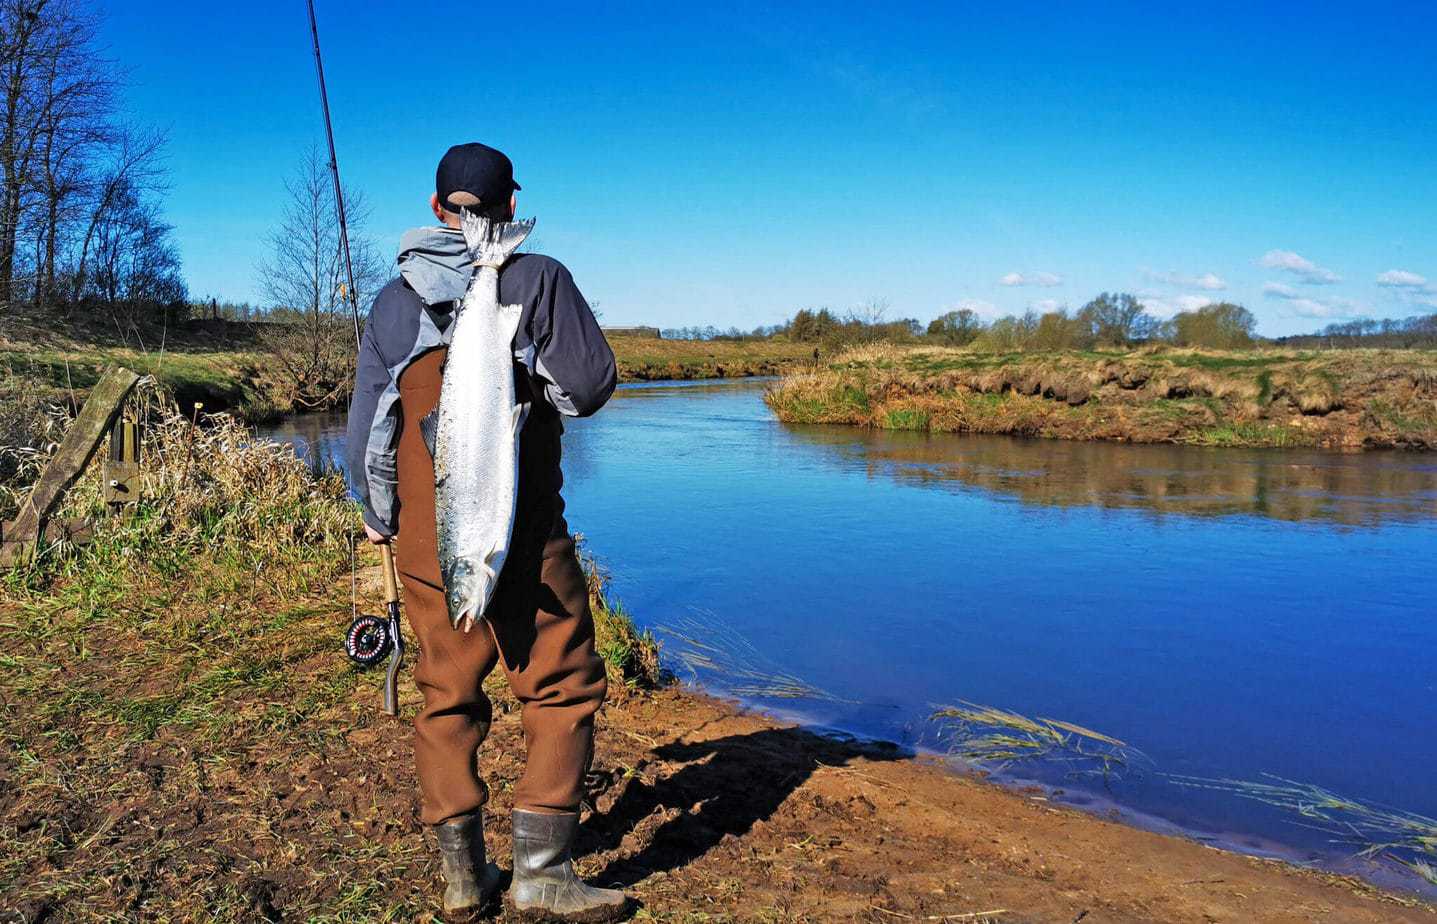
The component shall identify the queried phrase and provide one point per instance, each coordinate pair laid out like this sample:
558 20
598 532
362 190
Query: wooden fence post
20 537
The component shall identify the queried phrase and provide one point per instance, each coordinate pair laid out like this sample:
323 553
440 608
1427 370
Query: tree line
1112 319
1109 320
1418 332
80 189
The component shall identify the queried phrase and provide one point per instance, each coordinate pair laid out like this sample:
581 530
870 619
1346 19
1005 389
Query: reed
994 738
1405 838
704 645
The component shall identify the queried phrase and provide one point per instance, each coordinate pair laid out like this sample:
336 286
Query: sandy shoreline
768 821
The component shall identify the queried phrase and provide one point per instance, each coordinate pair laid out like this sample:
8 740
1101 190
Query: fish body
476 428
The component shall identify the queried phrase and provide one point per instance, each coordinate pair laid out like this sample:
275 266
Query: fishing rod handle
391 578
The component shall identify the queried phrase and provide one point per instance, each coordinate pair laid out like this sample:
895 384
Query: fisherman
538 625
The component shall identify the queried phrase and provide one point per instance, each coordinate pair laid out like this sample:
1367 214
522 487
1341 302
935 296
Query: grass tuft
1405 838
995 738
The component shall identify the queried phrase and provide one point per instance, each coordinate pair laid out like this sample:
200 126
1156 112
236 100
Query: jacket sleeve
571 354
372 435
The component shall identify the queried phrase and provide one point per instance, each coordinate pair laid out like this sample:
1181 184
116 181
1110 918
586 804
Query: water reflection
1363 490
1352 490
318 439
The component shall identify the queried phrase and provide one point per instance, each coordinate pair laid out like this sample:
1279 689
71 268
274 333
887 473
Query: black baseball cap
472 176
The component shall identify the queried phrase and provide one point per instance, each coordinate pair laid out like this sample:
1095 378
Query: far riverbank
1340 399
230 371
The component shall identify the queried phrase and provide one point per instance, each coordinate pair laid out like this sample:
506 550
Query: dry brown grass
644 359
1337 399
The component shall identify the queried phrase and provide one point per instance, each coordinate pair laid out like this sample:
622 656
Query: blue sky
730 163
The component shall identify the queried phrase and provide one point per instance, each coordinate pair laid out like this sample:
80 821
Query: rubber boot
470 882
545 887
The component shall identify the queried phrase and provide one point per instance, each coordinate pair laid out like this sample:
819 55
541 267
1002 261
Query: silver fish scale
476 445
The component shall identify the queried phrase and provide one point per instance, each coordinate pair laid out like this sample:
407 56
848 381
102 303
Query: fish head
468 585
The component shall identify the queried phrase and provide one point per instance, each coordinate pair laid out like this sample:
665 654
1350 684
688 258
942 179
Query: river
1228 614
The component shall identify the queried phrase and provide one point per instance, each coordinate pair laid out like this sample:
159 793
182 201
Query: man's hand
376 537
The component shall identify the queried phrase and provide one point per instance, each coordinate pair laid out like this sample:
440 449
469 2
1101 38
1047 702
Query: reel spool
368 640
371 639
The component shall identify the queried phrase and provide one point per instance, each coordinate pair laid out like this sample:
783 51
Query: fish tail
490 243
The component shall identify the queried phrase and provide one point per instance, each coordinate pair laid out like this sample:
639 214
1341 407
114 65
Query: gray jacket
560 355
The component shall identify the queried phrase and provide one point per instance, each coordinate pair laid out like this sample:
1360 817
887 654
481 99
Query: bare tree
134 267
303 282
871 313
78 191
73 135
49 84
134 172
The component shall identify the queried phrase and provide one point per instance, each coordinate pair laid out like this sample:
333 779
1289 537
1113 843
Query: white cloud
1402 279
1325 308
1207 282
1301 306
977 306
1164 306
1304 269
1046 280
1045 305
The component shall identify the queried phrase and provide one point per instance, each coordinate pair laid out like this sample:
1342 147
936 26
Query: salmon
476 428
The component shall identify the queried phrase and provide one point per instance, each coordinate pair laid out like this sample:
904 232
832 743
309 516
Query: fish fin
490 243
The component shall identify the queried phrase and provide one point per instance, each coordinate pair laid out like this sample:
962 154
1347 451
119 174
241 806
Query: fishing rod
369 638
334 174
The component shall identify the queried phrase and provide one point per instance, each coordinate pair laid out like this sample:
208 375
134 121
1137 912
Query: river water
1228 614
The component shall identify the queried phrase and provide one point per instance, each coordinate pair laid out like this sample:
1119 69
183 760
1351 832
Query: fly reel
368 640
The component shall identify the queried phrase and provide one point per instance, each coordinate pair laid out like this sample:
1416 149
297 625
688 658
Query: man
538 624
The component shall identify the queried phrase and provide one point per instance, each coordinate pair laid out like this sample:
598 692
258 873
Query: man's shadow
736 780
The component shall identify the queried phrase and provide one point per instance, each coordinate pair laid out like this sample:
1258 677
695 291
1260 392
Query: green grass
1264 436
1264 387
906 419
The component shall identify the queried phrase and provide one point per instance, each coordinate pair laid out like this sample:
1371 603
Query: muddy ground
290 798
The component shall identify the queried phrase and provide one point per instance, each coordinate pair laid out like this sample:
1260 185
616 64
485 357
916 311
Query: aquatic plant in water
703 643
995 738
1405 838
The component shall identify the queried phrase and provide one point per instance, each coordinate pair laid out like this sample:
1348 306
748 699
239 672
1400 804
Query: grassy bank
237 376
644 359
1352 399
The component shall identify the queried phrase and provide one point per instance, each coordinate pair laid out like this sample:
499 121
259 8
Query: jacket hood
435 263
